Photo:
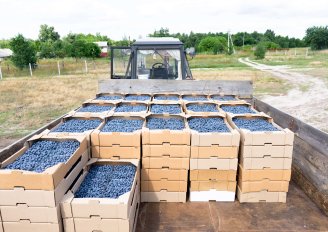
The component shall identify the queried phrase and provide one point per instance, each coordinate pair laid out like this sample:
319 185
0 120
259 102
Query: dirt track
307 100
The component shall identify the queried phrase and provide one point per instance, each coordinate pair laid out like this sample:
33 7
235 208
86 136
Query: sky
136 19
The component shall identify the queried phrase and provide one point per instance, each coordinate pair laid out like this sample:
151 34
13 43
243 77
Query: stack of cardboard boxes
264 164
165 163
213 163
29 201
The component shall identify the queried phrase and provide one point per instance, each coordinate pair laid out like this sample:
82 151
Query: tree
260 51
270 35
163 32
24 51
213 44
317 37
92 50
48 34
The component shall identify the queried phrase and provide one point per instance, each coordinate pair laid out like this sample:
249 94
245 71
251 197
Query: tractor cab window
159 64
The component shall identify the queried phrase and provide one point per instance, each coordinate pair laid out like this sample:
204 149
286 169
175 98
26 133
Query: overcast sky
118 18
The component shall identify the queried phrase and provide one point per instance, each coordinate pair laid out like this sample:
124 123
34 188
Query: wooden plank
240 88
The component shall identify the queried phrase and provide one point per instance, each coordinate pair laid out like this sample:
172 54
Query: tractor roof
158 41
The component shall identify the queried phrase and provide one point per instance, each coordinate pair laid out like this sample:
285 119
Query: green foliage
213 44
317 37
260 51
163 32
24 51
92 50
48 34
271 45
4 44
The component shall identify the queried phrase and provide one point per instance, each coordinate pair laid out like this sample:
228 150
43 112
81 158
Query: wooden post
0 73
295 52
86 66
58 66
31 73
307 52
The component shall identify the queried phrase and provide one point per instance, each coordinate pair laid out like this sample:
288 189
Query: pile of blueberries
158 123
255 124
223 98
194 98
165 109
135 97
202 107
107 181
207 124
166 98
78 125
237 109
131 108
44 154
122 125
95 108
109 97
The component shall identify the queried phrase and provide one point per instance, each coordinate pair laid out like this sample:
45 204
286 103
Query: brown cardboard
47 180
124 139
33 214
159 185
281 137
27 226
190 112
271 174
1 227
165 162
213 184
163 196
108 94
212 195
263 185
177 137
262 196
213 151
147 101
222 139
195 94
166 149
212 174
166 101
42 198
222 102
116 152
141 113
236 104
214 163
265 163
102 207
285 151
164 174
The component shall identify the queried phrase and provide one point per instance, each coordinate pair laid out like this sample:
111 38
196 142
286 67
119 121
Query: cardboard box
95 223
284 151
195 95
138 113
138 94
108 94
77 113
42 198
263 185
124 139
265 163
190 112
165 162
237 104
166 149
179 104
271 174
27 226
175 137
121 207
116 152
47 180
214 163
213 184
166 101
247 137
221 139
159 185
213 151
163 196
213 174
263 196
237 100
164 174
33 214
212 195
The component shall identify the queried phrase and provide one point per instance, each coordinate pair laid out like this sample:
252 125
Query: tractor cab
151 58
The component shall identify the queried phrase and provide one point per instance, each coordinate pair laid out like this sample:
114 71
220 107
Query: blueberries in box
44 154
135 97
78 125
237 109
256 124
109 97
131 108
223 98
165 109
122 125
205 124
202 107
95 108
154 123
166 98
194 98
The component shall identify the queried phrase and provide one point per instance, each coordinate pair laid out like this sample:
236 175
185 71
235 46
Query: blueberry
256 124
202 107
194 98
165 108
207 124
223 98
122 125
78 125
154 123
238 109
95 108
131 108
109 97
166 97
135 97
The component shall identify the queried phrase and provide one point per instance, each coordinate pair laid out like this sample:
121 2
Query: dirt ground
306 100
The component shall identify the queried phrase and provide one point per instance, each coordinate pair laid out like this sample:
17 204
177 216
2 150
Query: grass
216 61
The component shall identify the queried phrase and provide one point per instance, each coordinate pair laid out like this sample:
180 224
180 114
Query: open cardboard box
155 101
182 113
105 113
262 174
219 101
116 152
158 185
136 113
95 100
163 196
262 196
221 139
119 208
241 103
51 177
195 95
174 151
212 174
164 174
214 163
124 139
204 113
138 94
213 184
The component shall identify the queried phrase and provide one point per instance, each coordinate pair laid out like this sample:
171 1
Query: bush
260 51
24 51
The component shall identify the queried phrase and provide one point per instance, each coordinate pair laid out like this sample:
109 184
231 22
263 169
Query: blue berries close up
95 108
165 109
205 124
135 97
202 107
131 108
256 124
154 123
109 97
122 125
236 109
78 125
